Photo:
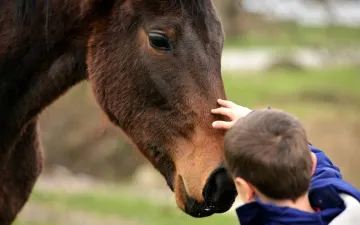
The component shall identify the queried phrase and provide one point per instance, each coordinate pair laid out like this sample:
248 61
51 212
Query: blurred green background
93 174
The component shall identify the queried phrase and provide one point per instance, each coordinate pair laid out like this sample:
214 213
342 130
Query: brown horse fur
161 99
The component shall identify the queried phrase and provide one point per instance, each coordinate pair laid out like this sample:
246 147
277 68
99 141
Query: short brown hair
269 149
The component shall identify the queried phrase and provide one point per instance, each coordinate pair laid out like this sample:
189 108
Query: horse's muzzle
220 191
219 195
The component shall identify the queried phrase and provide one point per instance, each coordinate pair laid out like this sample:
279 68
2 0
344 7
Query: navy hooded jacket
327 193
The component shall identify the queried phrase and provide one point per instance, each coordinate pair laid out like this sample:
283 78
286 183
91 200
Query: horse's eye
160 42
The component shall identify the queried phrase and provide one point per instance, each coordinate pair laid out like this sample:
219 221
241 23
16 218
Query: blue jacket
326 186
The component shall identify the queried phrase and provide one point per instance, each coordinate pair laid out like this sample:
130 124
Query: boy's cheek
242 194
245 192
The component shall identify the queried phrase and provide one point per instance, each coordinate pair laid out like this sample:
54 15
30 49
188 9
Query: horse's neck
34 72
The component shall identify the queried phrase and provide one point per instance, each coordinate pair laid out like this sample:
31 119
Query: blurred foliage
246 29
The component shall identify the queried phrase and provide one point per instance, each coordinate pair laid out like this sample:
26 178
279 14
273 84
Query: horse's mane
25 8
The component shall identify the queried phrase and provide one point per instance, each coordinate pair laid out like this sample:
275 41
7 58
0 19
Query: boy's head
267 153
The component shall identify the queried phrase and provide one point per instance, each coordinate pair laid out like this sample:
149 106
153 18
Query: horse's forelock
194 6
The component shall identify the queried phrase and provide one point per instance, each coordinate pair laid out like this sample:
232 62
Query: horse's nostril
219 191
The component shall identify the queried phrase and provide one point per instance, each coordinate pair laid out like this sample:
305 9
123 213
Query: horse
154 67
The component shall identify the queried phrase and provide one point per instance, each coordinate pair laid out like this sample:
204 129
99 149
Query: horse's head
155 70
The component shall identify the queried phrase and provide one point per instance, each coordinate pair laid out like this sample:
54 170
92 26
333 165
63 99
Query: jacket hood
351 215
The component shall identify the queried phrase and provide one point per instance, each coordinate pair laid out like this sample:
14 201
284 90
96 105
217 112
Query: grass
290 35
291 88
31 223
125 206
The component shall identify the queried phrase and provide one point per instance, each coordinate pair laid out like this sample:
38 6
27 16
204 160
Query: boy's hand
231 110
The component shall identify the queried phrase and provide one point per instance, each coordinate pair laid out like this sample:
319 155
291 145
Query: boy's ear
244 189
314 160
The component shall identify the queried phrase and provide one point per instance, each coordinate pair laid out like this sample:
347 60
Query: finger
226 103
222 125
223 111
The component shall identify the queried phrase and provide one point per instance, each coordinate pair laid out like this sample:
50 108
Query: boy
277 177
